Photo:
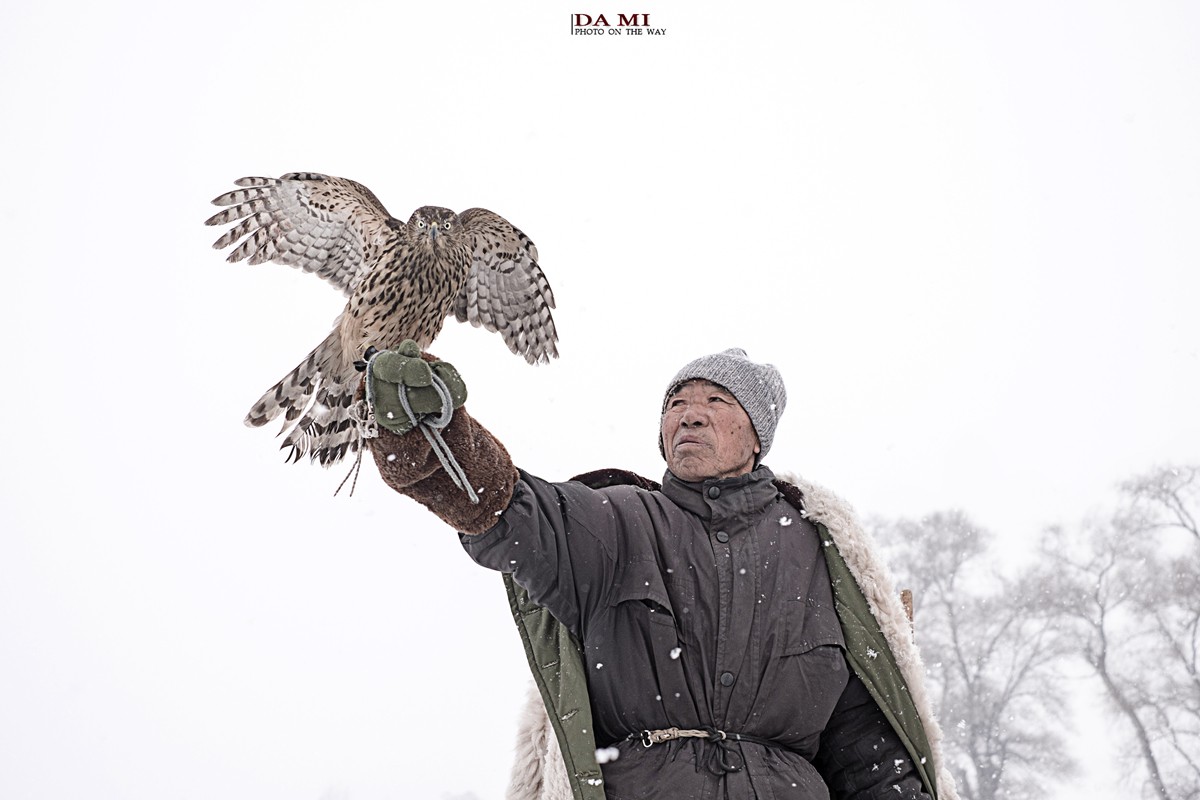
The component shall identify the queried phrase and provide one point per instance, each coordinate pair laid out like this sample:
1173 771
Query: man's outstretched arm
408 462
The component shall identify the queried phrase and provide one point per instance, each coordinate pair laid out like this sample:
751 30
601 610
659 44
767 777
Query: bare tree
1166 497
992 654
1130 587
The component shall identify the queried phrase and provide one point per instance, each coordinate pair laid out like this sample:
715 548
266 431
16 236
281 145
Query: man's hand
404 375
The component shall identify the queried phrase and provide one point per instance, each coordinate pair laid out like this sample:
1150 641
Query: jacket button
722 537
714 492
727 679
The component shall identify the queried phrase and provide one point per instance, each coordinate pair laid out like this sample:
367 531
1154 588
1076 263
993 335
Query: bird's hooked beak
433 230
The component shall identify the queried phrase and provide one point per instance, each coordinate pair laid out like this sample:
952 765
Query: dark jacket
698 607
703 606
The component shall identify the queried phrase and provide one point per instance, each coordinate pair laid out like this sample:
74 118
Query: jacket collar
744 494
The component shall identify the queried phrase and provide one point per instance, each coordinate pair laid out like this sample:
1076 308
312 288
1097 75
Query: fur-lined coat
868 608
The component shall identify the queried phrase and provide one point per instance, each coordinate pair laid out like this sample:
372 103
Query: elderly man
723 635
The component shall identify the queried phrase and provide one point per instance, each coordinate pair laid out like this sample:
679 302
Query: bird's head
433 223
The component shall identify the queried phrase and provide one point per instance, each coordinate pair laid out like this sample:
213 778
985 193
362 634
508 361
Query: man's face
707 434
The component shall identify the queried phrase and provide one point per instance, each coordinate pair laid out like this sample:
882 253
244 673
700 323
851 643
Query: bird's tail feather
315 400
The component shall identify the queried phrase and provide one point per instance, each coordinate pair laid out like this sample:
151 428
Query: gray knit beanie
758 387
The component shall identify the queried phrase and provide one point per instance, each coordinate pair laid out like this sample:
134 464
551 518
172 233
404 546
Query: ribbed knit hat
758 388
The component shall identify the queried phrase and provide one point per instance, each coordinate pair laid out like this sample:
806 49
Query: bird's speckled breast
408 296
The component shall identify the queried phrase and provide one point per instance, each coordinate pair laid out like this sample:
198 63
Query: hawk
402 279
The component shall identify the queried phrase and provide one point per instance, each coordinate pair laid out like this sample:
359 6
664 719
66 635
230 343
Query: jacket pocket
808 625
642 584
819 675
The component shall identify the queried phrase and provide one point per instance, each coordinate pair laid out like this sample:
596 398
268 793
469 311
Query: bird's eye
446 225
420 223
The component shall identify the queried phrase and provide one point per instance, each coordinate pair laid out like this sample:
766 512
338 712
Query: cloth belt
716 759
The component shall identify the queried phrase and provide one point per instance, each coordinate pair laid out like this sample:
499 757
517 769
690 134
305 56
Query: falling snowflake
607 754
871 653
675 653
785 521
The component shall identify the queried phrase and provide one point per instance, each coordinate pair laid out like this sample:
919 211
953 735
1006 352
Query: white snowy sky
966 235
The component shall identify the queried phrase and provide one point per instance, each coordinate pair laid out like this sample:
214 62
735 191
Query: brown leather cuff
410 466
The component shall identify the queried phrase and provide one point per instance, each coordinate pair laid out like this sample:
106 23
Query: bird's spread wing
506 291
332 227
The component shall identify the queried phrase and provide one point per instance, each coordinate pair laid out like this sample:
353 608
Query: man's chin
689 468
690 449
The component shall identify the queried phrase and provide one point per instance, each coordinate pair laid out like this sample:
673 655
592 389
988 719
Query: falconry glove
404 391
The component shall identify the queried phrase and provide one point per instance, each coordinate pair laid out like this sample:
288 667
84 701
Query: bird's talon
361 364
